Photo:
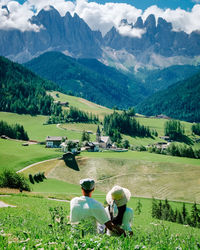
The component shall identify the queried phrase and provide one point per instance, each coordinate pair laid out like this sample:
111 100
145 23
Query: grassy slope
147 231
143 173
82 104
35 128
15 156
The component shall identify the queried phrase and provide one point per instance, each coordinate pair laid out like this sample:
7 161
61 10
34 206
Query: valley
99 90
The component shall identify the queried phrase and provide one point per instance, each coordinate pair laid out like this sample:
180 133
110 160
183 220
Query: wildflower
137 247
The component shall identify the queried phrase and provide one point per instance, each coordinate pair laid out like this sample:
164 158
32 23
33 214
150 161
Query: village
102 143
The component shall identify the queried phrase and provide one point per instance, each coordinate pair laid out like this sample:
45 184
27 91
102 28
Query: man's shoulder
75 200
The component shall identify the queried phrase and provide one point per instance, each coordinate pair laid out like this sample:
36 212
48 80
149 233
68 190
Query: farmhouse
92 146
54 141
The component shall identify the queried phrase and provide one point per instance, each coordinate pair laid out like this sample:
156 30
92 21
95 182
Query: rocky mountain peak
150 22
139 23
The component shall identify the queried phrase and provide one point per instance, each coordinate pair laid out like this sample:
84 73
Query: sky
103 15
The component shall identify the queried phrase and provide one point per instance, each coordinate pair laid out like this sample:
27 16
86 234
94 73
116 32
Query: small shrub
10 179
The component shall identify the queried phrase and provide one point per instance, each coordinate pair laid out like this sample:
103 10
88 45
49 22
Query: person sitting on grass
86 208
117 199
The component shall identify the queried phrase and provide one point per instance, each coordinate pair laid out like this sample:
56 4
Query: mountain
157 41
69 34
179 101
21 91
88 78
149 43
160 79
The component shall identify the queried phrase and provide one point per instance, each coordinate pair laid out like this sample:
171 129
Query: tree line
15 131
177 150
72 115
116 123
162 210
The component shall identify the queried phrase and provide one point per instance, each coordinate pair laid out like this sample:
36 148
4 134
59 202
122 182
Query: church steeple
98 134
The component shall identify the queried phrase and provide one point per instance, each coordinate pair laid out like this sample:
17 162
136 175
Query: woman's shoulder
129 211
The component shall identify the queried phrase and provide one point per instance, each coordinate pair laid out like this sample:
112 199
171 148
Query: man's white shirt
84 208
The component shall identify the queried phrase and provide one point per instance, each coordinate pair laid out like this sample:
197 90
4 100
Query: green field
34 125
15 156
40 230
82 104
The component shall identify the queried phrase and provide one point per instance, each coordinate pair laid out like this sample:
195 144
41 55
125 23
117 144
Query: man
86 208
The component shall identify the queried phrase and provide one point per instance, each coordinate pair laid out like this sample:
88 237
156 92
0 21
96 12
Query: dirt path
21 170
3 204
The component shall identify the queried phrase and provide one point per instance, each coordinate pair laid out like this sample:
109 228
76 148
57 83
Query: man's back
83 208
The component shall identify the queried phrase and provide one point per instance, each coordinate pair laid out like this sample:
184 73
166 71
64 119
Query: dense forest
23 92
117 123
15 131
89 79
180 101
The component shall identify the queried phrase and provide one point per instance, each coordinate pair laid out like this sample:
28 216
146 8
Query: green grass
15 156
82 104
30 225
35 128
158 124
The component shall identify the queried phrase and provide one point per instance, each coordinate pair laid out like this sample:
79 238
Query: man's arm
116 229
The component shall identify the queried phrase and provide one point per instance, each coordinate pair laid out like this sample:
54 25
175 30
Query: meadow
45 226
15 156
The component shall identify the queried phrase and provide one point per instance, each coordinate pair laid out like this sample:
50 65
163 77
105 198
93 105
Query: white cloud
98 16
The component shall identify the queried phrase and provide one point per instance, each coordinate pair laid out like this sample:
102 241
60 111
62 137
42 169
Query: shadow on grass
70 161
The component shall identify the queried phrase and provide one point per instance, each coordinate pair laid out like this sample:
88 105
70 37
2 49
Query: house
166 138
92 146
54 141
162 145
104 141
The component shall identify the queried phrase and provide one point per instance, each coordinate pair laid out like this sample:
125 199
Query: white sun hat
118 194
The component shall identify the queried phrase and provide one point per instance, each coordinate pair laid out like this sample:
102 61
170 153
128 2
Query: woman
117 209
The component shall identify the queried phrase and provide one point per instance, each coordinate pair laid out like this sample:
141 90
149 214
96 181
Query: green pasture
81 104
15 156
31 225
158 124
34 125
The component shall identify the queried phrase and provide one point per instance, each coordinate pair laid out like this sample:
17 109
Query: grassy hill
15 156
36 214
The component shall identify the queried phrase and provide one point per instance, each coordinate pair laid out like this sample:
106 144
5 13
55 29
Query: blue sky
143 4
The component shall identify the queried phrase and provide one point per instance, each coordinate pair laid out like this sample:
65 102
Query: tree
174 129
184 213
126 144
138 207
85 136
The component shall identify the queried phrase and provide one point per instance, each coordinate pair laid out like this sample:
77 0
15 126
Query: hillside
99 84
179 101
160 79
22 91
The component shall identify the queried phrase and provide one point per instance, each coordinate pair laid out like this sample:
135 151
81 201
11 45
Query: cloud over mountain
98 16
